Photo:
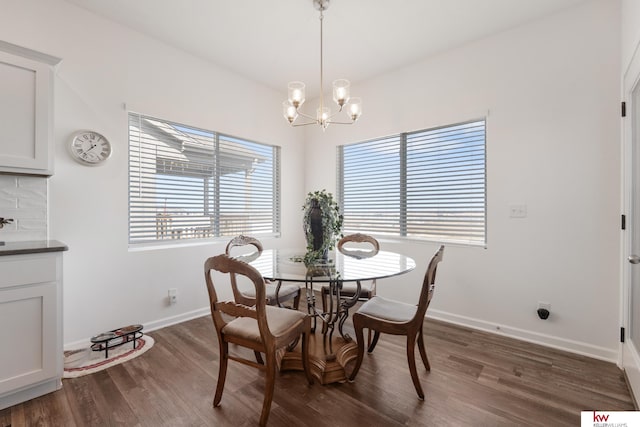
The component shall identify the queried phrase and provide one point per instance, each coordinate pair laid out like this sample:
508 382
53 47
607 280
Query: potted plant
322 223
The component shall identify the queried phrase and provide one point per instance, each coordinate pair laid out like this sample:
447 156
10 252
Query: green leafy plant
331 223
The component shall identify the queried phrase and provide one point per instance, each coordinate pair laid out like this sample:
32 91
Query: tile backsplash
24 199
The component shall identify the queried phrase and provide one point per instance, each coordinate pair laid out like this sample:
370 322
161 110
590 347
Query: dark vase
315 221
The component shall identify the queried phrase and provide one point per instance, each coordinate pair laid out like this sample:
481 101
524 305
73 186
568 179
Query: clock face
89 148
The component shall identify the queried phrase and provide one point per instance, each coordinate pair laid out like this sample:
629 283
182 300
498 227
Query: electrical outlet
517 210
173 296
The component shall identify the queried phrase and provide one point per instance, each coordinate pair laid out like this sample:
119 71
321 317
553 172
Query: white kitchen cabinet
31 353
26 110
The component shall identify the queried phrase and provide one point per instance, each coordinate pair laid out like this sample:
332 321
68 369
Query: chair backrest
358 238
429 284
225 264
239 241
243 241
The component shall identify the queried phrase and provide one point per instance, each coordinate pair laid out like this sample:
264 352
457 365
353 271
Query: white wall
630 30
104 66
550 92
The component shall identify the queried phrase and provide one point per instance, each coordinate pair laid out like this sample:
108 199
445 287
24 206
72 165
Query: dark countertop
31 247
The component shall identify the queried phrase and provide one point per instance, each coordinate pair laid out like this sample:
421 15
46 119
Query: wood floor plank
477 379
83 407
5 418
155 394
111 403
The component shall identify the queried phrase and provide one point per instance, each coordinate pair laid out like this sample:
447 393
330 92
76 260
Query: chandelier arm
295 125
329 122
306 116
334 114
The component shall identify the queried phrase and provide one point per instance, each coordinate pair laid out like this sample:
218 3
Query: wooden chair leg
376 335
411 358
323 295
296 300
269 386
357 325
222 372
277 302
423 350
258 357
306 365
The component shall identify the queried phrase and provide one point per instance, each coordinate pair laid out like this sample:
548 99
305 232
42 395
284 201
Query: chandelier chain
321 61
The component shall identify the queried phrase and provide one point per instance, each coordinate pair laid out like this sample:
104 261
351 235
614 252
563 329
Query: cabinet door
28 335
26 115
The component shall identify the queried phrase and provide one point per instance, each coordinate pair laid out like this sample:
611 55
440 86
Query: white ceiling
277 41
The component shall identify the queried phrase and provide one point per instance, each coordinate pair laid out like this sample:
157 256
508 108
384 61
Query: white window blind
189 183
429 184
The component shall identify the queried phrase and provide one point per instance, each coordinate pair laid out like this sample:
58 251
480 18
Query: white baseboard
571 346
151 326
168 321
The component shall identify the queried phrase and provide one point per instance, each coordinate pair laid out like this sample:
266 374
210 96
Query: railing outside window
189 183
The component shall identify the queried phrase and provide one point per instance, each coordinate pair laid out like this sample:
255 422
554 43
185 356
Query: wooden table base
326 366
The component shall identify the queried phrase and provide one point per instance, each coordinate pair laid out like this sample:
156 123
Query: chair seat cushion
386 309
280 321
287 291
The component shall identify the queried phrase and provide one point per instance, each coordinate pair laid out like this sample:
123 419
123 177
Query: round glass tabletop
287 265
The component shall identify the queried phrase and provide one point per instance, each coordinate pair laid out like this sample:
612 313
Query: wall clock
89 148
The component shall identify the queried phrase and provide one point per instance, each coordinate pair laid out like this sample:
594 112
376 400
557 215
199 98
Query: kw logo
600 418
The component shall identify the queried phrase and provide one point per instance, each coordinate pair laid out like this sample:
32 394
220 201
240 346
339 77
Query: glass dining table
287 265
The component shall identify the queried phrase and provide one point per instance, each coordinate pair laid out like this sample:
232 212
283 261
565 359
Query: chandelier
324 117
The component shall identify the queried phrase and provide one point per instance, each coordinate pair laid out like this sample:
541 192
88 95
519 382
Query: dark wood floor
477 379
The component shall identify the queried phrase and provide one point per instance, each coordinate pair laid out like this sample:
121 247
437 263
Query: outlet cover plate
517 210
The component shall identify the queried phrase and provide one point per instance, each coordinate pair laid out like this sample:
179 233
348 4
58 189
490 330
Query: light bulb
341 91
355 108
289 111
323 115
296 93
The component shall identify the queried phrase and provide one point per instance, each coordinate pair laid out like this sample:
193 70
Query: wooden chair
398 318
275 294
349 289
262 328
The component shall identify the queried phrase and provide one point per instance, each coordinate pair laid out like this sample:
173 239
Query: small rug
86 361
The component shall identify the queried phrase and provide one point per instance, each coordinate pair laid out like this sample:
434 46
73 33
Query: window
188 183
428 184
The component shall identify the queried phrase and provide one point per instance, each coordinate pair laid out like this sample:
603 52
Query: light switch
517 210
